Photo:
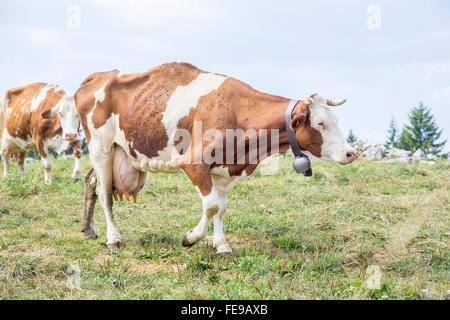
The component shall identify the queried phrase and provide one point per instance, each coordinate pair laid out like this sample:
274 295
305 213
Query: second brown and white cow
176 117
39 116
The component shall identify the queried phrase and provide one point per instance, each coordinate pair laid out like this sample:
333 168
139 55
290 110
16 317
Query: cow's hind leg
21 160
102 162
90 198
213 201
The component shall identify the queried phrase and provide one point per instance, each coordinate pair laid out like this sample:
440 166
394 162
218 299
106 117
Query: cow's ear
299 118
48 114
297 121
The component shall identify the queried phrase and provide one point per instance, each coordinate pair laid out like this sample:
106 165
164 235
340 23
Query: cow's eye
321 124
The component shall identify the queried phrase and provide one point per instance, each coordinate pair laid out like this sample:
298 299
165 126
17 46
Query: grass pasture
293 237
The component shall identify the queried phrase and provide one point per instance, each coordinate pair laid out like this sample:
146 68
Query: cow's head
66 110
317 130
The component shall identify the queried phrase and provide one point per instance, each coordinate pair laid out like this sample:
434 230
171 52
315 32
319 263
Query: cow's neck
270 115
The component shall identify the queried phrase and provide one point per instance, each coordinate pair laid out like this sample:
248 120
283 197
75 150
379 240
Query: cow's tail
3 107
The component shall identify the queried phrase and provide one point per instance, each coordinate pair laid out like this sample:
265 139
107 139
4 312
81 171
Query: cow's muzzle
350 157
71 137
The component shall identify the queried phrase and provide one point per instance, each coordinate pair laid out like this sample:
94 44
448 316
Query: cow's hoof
76 176
185 242
90 233
223 248
116 244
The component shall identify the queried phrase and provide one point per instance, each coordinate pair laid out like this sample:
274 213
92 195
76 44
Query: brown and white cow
133 122
39 116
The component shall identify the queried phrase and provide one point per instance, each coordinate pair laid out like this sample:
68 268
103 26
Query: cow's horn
335 103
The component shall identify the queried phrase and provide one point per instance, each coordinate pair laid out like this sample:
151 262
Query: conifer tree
421 132
351 137
392 141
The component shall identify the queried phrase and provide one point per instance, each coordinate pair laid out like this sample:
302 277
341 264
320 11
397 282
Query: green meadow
292 237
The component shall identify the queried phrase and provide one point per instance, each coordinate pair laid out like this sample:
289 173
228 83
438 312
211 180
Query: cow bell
302 164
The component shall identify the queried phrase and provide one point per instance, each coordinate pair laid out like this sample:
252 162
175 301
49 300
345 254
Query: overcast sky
384 56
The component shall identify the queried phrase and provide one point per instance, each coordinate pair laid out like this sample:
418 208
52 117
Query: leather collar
295 147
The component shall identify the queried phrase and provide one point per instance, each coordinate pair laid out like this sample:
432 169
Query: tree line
420 132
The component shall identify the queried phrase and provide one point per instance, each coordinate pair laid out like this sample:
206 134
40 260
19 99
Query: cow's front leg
102 163
76 146
90 197
223 182
21 161
45 159
213 201
219 242
5 157
47 166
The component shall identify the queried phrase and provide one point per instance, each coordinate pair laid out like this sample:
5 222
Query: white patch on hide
16 143
38 98
180 102
222 180
102 138
186 97
99 95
